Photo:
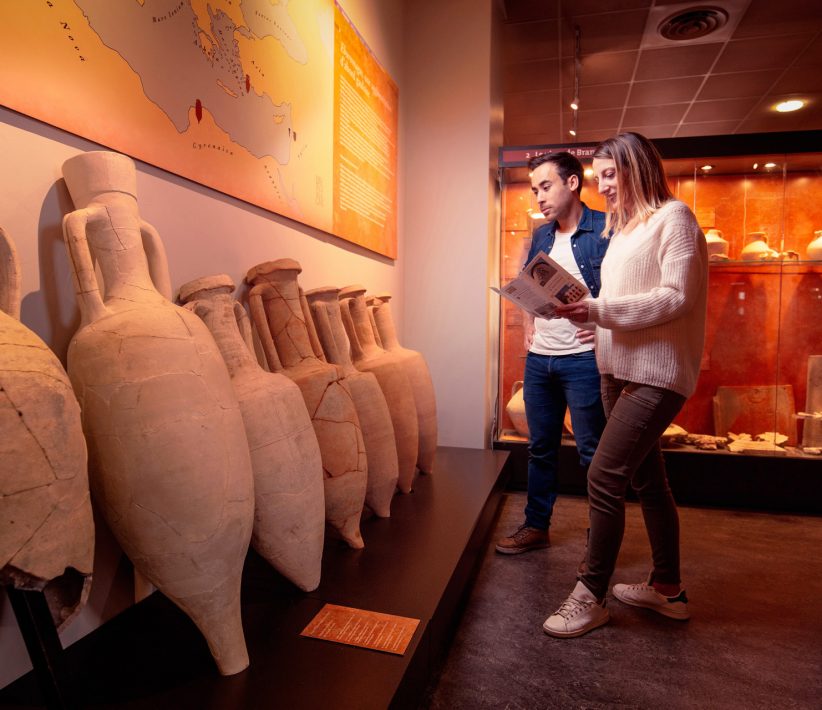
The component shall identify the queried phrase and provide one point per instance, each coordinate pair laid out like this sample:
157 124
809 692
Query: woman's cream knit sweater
650 311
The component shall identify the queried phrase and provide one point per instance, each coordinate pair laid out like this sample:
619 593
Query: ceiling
630 78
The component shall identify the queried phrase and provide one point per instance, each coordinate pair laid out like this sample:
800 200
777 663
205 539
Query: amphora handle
10 280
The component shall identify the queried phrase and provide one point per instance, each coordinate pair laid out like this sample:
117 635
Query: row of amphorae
191 449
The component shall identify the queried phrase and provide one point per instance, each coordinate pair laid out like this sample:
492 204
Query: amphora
168 457
417 370
46 525
370 357
289 510
372 409
280 316
813 252
717 245
756 248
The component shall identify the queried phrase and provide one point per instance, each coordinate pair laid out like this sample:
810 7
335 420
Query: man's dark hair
564 163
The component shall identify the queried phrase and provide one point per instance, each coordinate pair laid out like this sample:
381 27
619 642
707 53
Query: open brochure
541 286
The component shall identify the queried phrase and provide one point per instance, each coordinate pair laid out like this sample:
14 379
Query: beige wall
452 114
449 115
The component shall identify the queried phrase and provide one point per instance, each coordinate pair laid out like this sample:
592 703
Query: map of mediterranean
239 95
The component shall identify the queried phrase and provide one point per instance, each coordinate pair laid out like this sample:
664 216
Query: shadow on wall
54 306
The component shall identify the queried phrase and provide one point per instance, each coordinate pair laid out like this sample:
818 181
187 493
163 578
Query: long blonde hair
642 187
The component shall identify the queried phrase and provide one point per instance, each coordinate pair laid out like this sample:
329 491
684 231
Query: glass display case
759 201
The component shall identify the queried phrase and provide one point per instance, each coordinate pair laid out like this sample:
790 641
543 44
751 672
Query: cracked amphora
372 409
417 370
46 525
168 457
280 315
368 356
289 510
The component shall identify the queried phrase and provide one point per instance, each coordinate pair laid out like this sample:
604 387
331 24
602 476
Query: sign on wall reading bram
277 103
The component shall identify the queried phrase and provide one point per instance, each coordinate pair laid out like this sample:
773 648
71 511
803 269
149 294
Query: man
560 369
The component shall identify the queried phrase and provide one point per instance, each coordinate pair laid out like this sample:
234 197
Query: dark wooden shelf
419 563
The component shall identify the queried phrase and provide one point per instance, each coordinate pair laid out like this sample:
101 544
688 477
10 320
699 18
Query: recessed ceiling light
575 104
770 165
755 166
706 168
788 106
572 132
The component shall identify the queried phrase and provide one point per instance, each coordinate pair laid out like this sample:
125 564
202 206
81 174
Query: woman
650 317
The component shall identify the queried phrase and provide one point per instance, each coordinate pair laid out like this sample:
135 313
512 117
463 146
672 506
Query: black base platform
419 563
720 479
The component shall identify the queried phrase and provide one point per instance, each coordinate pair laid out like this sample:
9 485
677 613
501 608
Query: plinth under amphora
281 322
46 525
418 373
368 356
168 457
372 409
289 510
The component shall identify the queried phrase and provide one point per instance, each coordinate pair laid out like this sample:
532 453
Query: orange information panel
365 144
366 629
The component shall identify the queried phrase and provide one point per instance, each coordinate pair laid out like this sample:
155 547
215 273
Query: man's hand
585 336
576 312
528 331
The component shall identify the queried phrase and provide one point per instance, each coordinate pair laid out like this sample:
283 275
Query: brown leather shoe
524 539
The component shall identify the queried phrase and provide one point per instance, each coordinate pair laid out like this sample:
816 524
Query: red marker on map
247 83
198 110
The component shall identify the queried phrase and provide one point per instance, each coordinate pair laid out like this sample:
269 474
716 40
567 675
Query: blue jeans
552 383
629 454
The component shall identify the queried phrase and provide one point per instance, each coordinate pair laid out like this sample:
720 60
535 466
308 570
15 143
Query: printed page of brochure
541 286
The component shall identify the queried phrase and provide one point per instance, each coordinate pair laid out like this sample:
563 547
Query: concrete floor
754 582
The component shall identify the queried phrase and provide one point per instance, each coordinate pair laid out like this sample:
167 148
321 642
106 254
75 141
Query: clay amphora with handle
279 315
289 511
169 463
372 409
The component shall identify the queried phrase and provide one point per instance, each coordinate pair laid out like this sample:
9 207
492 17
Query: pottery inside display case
760 384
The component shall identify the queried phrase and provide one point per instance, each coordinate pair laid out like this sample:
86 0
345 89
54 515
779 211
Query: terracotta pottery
516 410
417 371
813 251
46 525
168 456
279 315
289 510
372 302
395 385
717 245
372 409
756 248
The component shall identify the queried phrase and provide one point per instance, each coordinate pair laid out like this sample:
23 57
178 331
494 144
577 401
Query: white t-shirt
558 336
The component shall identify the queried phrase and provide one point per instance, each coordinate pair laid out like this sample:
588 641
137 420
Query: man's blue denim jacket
587 243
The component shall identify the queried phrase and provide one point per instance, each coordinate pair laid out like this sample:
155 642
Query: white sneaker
577 615
644 595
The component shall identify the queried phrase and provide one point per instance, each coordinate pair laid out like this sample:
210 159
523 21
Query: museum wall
450 208
450 123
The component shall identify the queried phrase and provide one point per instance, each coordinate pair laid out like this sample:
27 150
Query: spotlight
706 168
788 106
572 132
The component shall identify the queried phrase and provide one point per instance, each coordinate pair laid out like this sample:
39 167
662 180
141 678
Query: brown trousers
629 453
